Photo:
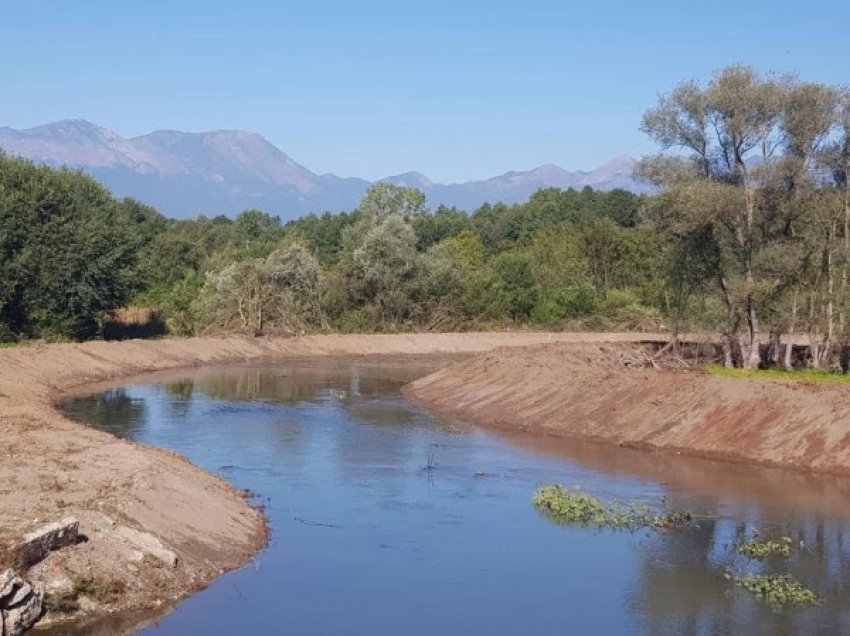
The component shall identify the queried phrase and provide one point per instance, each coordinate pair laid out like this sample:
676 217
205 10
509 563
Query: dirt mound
586 391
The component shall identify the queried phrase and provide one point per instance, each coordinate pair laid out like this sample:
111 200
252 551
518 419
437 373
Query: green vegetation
577 508
777 591
805 375
748 237
763 549
574 507
390 265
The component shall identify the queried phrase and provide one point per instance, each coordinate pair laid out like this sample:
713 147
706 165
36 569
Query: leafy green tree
67 251
382 265
751 141
383 200
280 292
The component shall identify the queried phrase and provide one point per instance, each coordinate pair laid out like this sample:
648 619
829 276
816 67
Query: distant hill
226 171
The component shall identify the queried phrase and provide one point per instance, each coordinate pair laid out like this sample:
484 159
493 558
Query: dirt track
51 468
585 391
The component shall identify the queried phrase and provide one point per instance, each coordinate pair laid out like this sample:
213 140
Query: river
388 520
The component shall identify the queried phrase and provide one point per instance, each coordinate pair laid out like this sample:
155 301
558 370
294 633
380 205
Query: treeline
72 254
749 236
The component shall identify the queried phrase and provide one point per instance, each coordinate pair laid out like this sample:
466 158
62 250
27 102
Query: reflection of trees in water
682 588
180 396
292 384
113 411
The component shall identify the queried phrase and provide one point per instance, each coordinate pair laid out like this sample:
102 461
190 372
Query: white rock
148 544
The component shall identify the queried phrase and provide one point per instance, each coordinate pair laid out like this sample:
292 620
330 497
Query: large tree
752 145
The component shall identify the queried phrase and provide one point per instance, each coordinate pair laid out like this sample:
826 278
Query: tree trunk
727 353
753 355
775 348
787 362
830 291
813 345
730 337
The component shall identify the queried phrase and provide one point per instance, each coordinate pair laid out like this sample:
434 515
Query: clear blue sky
454 89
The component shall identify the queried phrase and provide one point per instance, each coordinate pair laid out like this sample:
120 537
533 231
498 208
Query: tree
382 264
280 292
752 140
67 252
383 200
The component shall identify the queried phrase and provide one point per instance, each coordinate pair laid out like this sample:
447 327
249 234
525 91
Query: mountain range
183 174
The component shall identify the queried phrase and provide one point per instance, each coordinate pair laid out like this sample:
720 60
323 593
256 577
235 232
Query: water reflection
366 541
114 411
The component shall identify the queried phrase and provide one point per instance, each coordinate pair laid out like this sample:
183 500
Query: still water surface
388 520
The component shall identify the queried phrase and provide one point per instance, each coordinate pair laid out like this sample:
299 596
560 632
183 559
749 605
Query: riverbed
387 519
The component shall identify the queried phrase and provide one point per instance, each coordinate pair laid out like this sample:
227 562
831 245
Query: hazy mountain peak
410 179
73 142
550 171
226 171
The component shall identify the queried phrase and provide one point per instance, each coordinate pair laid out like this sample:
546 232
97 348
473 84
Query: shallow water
388 520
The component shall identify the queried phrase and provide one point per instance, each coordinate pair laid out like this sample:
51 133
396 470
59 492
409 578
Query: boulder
36 545
20 604
8 579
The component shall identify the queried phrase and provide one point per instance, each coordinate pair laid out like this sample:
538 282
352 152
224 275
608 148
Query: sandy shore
585 391
52 468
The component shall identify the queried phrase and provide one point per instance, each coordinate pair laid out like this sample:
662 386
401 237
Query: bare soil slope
586 391
52 468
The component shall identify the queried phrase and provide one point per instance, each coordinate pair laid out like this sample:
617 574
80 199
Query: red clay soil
51 468
586 391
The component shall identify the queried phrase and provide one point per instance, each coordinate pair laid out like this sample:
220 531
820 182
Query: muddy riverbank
586 391
137 506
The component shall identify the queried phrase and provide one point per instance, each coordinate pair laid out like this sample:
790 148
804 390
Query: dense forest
749 237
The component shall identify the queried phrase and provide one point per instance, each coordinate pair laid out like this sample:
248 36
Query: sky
457 90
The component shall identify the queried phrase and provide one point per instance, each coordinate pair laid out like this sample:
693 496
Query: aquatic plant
761 550
574 507
777 590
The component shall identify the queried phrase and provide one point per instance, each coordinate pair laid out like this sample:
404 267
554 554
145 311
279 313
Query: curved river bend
388 520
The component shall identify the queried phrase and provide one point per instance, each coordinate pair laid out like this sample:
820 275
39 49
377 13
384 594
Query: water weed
761 550
574 507
777 590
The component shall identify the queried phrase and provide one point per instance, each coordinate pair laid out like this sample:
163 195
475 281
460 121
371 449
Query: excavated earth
595 392
154 528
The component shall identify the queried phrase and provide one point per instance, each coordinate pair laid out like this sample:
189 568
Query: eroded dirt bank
130 500
585 391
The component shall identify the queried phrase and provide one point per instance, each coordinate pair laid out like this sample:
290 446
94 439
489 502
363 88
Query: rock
35 545
20 605
8 581
148 544
21 593
18 619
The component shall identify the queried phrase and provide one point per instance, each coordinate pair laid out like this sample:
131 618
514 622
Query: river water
388 520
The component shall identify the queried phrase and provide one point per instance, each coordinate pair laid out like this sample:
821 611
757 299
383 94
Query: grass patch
574 507
777 591
100 591
804 375
68 601
761 550
65 602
